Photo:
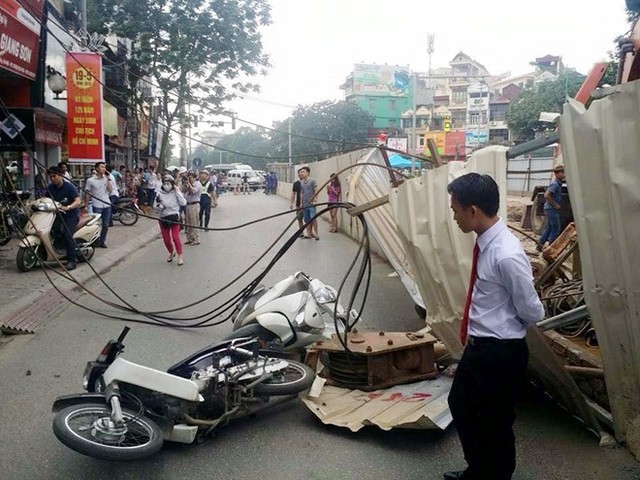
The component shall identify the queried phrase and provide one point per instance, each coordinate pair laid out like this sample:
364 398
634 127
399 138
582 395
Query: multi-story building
461 107
384 91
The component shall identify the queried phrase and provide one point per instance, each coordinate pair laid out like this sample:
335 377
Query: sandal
180 261
171 257
316 237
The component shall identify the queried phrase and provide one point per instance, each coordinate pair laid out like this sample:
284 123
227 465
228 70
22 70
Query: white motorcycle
293 314
130 410
38 244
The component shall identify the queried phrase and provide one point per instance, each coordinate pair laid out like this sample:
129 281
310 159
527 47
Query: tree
321 130
247 146
550 96
196 52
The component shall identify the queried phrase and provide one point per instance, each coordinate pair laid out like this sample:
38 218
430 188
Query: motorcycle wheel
293 379
5 232
78 428
128 216
90 250
27 258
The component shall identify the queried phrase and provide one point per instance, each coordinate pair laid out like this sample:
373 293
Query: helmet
168 178
182 169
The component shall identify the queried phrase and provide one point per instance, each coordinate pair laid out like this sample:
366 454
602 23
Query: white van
234 179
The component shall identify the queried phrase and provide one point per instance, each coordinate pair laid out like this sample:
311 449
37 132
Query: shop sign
84 107
46 133
17 130
20 37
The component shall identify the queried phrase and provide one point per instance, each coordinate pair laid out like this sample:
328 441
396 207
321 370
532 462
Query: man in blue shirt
552 206
66 194
501 303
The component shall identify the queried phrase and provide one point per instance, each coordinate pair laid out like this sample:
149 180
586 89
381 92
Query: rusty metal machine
375 359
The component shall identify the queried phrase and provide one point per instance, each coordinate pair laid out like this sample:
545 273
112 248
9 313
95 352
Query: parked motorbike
12 215
126 211
40 245
131 409
292 314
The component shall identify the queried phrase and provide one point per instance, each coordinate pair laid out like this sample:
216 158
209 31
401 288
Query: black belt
477 341
194 203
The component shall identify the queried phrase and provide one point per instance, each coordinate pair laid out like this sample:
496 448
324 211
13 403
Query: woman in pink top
334 193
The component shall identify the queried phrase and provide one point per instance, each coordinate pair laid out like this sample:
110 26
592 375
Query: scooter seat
83 221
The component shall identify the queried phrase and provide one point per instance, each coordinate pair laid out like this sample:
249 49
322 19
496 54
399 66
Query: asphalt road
287 442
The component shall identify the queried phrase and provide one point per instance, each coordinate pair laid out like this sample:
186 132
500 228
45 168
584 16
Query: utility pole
414 143
290 141
430 50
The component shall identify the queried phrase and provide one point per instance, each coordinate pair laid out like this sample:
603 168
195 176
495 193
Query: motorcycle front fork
112 394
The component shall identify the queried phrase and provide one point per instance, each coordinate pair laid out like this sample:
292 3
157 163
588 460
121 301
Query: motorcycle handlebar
123 334
243 352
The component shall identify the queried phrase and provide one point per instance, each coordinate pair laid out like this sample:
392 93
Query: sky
314 44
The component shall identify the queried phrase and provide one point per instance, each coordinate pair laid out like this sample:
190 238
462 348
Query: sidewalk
28 299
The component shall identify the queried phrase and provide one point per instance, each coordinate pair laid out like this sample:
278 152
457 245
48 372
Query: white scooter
294 313
38 244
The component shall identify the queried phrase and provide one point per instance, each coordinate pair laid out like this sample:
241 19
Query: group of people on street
270 183
187 199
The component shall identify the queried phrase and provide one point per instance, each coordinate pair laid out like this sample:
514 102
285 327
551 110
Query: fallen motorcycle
130 410
294 313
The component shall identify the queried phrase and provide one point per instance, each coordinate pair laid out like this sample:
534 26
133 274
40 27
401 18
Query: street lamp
56 82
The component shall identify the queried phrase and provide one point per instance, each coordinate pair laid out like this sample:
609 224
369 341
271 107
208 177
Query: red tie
464 326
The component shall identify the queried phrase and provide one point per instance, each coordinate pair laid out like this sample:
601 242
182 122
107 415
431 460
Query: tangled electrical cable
156 318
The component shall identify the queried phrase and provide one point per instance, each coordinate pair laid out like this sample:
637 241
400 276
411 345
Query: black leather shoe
101 245
459 475
71 266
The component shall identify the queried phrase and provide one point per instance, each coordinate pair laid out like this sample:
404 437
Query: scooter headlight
325 294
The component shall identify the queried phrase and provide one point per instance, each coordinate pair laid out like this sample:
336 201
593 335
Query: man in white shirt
98 188
501 304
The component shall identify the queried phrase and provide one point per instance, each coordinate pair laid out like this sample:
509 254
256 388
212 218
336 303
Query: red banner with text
84 107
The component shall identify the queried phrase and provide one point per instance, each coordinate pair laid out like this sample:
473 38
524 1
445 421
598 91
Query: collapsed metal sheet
601 148
419 405
438 251
370 183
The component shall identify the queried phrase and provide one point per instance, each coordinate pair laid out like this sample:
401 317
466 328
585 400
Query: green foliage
320 130
198 52
550 96
251 142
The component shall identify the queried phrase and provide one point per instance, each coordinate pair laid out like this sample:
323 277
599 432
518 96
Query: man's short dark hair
475 189
307 169
97 164
55 170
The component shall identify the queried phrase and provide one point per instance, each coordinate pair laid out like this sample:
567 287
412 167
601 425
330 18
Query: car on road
234 179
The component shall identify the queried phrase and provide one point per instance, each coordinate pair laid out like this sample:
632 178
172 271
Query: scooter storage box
376 359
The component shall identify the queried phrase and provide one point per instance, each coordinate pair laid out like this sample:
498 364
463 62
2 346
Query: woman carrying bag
168 203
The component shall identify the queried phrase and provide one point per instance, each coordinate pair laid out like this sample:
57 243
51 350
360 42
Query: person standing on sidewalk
296 200
334 194
194 189
552 206
169 201
308 187
501 303
150 188
115 193
206 199
65 192
98 188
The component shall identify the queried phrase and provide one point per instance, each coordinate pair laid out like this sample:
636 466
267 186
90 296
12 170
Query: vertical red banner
84 107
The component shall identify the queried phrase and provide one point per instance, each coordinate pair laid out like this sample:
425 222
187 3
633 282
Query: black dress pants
482 401
205 211
65 225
